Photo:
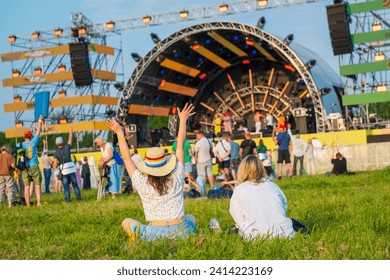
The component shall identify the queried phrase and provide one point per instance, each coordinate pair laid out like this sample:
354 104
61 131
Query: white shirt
223 150
310 151
136 159
167 207
105 153
299 145
202 146
270 120
260 210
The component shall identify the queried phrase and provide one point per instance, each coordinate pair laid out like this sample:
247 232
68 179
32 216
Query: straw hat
157 163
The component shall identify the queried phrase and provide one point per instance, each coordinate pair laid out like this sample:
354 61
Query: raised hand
114 126
186 112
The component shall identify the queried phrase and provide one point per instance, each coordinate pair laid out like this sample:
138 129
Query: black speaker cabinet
79 59
338 22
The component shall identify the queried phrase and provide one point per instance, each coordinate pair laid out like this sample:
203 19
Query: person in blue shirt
283 140
33 173
234 156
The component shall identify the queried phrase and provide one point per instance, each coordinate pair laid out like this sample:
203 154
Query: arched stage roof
230 66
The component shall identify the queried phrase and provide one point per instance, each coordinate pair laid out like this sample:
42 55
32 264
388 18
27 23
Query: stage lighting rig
136 57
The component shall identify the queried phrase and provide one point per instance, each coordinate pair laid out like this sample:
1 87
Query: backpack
20 157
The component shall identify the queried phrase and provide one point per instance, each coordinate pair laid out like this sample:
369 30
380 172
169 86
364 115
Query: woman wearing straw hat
159 181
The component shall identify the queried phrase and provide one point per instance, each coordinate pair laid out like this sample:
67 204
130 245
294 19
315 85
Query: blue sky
307 22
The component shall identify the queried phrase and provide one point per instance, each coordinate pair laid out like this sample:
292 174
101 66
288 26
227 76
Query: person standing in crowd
284 146
270 121
298 151
203 158
262 150
7 167
187 157
159 182
234 156
310 157
33 172
222 152
257 119
107 161
67 168
217 125
136 157
47 165
258 206
228 123
86 174
248 146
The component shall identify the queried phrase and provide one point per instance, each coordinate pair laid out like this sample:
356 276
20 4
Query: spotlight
381 88
17 99
82 30
155 37
110 25
19 124
12 39
311 63
136 57
35 35
224 8
249 42
118 86
289 39
183 14
61 68
63 120
379 56
377 26
58 32
62 94
147 19
37 71
262 3
324 91
15 73
261 23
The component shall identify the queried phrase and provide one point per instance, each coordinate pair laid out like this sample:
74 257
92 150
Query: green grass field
349 218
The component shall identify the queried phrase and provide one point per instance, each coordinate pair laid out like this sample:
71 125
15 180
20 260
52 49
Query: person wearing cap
107 161
33 172
63 161
159 181
47 164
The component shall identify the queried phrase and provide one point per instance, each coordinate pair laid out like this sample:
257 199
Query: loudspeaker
338 22
79 59
301 124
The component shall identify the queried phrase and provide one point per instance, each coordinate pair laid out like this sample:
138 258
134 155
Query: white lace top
167 207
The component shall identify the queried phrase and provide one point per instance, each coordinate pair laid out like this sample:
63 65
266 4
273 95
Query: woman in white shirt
159 181
258 206
107 161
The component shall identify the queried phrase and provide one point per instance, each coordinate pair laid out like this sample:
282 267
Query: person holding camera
159 181
67 168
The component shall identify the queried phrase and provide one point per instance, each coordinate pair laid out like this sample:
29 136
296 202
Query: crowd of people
162 180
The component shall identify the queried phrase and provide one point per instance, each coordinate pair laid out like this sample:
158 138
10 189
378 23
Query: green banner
347 70
366 98
372 36
367 6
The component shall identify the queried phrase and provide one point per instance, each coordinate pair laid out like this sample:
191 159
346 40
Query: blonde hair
251 169
100 138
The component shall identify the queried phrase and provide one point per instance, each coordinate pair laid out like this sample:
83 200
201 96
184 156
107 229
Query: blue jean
66 180
47 175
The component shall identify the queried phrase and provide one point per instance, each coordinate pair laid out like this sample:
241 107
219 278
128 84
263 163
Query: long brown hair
160 184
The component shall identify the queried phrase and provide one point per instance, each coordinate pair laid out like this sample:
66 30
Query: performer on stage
257 120
217 124
228 123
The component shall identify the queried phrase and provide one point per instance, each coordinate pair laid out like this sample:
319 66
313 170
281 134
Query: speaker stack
338 21
79 59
